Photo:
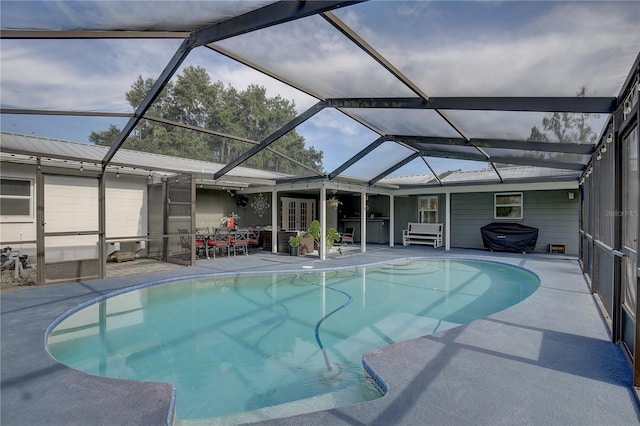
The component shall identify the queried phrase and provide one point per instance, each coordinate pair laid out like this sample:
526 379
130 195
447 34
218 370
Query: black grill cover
512 237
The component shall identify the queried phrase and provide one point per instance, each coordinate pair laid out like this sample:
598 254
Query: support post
102 225
447 221
323 223
40 251
392 216
363 222
274 221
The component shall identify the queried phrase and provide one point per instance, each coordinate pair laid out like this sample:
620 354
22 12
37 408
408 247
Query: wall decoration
260 205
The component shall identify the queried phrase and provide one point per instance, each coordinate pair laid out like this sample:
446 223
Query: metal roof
409 180
510 173
384 89
32 146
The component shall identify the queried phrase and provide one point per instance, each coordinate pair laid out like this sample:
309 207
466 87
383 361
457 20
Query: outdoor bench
422 233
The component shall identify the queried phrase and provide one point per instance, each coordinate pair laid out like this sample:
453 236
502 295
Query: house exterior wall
552 212
378 205
213 205
406 210
126 206
71 203
22 228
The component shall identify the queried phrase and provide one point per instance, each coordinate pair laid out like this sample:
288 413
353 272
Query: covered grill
513 237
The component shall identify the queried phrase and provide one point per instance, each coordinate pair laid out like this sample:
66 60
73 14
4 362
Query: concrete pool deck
547 360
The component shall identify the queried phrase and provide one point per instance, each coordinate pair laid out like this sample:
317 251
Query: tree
566 127
563 127
194 100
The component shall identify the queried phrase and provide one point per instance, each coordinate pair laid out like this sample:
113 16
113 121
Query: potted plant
294 245
314 231
307 243
230 221
333 202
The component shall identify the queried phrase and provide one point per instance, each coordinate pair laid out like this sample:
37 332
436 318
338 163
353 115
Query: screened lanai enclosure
126 126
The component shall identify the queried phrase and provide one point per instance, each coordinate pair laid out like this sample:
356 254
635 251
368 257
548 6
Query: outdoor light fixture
599 156
81 167
571 195
117 173
609 138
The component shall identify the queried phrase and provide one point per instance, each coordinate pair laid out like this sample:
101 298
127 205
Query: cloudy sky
449 48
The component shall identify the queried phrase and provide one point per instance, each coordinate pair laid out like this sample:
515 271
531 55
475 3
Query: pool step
307 405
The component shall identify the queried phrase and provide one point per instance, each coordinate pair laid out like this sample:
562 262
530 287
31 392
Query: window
508 205
428 209
15 198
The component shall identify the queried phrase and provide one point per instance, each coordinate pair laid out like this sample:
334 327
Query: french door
297 213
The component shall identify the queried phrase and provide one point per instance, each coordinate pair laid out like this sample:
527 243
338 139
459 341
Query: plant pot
306 245
294 251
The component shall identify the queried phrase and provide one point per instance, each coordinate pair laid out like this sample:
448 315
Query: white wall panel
126 206
71 204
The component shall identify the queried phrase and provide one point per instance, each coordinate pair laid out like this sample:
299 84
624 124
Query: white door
297 213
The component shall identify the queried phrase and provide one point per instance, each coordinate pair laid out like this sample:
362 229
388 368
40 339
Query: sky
449 48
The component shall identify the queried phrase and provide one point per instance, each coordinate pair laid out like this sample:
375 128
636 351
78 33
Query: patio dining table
236 238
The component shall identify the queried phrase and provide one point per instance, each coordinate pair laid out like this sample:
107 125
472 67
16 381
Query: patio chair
347 236
185 244
240 241
219 240
254 238
202 239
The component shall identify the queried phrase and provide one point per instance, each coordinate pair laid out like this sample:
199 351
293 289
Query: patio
547 360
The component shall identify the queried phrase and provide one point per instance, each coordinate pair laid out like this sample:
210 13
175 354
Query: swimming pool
291 341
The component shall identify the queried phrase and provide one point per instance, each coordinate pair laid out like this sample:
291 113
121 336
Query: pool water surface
236 343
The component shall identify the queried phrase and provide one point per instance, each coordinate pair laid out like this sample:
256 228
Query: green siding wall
552 212
213 205
406 210
469 213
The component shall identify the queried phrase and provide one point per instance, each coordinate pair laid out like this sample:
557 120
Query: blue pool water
237 343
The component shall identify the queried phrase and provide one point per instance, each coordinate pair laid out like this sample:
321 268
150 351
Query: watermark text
621 213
